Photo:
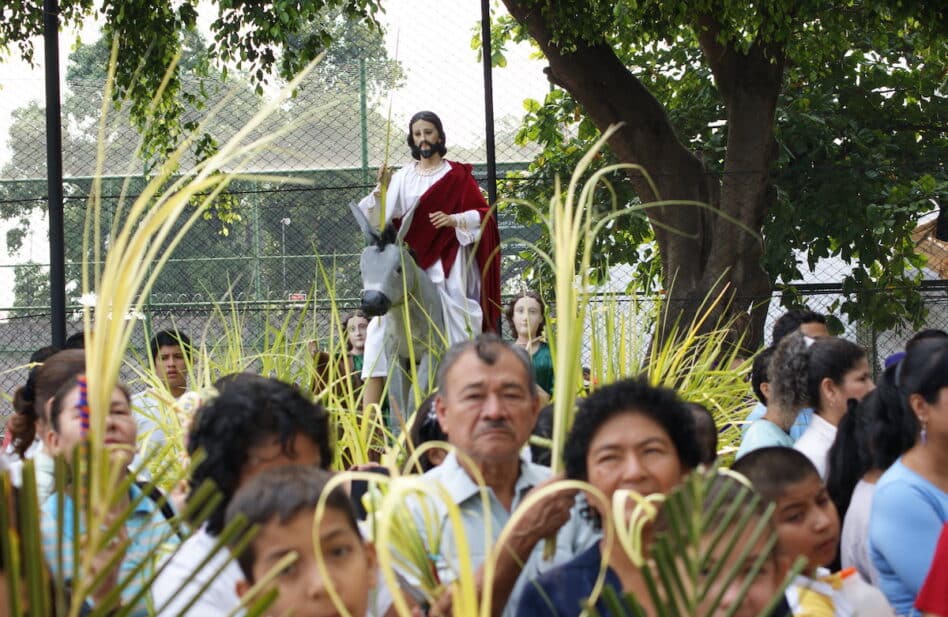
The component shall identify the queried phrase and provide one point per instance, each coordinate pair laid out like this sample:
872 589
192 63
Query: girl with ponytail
831 372
25 426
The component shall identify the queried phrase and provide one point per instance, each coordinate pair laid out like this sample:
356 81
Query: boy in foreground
808 526
282 502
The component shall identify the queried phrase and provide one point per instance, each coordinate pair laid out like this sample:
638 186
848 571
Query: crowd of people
851 476
863 503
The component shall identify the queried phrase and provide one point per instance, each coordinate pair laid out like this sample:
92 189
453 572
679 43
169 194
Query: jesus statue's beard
425 152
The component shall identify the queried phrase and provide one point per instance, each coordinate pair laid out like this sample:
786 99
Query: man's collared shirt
576 535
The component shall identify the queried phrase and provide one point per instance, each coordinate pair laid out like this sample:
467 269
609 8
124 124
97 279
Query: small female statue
526 314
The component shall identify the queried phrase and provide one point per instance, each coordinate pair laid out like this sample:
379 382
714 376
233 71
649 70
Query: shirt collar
459 484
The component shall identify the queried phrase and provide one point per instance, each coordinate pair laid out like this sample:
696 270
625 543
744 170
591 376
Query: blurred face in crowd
269 453
120 428
764 585
857 382
172 368
631 451
488 410
303 591
814 329
807 523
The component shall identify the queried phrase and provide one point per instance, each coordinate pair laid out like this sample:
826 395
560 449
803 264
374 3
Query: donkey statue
396 289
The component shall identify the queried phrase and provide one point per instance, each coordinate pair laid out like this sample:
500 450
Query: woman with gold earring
910 504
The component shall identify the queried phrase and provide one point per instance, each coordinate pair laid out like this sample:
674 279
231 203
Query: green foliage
240 241
714 535
30 288
555 123
152 35
860 130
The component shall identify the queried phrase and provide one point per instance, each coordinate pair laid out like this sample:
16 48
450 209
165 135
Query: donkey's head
381 264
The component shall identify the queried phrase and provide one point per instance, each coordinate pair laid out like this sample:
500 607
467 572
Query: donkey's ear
388 236
370 236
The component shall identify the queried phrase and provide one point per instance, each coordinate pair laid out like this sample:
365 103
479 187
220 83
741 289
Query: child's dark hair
425 427
706 432
800 365
22 424
790 322
771 470
248 410
281 493
169 338
509 311
759 372
636 396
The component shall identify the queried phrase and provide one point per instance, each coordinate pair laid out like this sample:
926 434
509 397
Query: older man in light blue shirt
487 404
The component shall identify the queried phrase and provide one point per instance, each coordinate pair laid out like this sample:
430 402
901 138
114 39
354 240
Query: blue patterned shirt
151 538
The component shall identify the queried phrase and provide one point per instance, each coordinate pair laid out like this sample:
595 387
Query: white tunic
460 291
816 442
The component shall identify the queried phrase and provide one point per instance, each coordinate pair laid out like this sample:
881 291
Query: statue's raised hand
383 177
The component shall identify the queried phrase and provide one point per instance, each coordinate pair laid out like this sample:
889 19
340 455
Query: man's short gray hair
488 348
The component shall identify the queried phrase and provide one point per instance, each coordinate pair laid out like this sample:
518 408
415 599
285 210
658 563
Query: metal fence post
54 174
364 120
255 216
488 104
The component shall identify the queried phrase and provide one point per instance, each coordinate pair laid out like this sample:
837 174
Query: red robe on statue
458 192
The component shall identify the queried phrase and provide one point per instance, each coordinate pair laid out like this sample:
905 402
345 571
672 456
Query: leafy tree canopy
850 147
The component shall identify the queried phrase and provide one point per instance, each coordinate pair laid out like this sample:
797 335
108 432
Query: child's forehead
302 523
805 489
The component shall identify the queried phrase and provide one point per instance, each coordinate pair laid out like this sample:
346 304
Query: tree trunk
700 247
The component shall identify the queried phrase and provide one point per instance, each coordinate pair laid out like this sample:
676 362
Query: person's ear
765 389
918 405
52 441
242 587
829 392
436 456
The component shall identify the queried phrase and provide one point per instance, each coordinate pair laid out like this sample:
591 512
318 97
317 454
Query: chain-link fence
283 242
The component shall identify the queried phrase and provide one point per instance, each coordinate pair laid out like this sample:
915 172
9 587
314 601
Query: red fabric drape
458 192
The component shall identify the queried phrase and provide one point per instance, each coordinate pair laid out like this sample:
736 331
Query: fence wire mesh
286 240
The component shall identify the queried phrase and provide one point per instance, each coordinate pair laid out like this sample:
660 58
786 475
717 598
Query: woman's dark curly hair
800 365
636 396
247 411
509 311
